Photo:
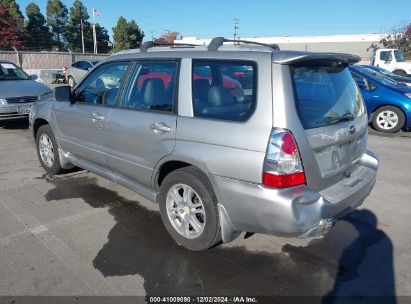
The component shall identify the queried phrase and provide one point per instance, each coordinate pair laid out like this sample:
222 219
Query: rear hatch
333 115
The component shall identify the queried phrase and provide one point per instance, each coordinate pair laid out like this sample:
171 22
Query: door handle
160 127
351 129
96 116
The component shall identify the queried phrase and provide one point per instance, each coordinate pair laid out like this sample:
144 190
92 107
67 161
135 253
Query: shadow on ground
15 124
354 259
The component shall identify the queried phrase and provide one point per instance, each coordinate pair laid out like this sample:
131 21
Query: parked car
388 103
391 60
289 158
77 71
400 79
18 91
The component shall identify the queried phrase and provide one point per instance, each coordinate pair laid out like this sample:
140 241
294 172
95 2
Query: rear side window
152 86
325 94
224 90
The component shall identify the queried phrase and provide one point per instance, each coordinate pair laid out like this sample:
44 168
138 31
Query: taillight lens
283 167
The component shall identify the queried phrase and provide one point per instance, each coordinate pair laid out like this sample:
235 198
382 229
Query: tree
57 20
9 35
14 11
78 12
126 35
37 34
399 38
103 39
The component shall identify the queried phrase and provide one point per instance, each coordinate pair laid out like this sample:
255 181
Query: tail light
283 166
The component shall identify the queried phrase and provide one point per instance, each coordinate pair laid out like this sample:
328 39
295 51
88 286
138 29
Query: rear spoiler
292 57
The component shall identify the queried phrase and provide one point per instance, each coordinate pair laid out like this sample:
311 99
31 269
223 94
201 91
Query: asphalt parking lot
78 234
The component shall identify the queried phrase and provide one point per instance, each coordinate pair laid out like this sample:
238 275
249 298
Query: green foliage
103 39
37 34
57 18
14 11
78 12
126 35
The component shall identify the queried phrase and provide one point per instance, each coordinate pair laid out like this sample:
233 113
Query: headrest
109 97
154 92
220 97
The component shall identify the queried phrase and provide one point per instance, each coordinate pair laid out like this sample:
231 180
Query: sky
211 18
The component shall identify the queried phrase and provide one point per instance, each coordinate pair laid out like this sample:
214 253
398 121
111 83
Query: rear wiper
334 119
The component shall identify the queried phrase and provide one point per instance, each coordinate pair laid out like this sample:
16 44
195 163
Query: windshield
398 56
10 71
384 71
325 95
378 76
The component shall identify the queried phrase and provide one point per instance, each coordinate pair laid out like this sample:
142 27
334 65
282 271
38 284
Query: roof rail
149 44
219 41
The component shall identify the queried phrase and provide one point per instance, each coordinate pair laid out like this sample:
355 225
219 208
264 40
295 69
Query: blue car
401 79
388 103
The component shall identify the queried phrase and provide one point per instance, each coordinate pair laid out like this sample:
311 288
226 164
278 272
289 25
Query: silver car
286 157
77 71
18 92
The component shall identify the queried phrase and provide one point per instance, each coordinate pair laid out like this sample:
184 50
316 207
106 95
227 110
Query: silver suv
282 152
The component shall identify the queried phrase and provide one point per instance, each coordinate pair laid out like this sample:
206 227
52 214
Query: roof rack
219 41
149 44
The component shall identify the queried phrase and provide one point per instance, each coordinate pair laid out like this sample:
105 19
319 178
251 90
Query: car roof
6 61
240 52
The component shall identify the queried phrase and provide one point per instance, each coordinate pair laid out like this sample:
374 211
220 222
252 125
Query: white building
353 44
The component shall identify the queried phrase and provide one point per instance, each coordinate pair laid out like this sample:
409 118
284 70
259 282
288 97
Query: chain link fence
46 60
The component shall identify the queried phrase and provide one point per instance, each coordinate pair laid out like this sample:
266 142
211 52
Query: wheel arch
37 124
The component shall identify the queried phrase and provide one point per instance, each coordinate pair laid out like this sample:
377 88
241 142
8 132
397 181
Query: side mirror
33 77
361 84
63 94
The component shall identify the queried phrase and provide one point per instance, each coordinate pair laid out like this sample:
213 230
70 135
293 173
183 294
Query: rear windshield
325 94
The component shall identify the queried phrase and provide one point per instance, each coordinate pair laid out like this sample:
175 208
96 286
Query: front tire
188 208
388 119
400 72
47 151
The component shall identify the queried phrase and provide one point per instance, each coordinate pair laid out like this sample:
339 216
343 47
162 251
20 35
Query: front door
142 129
81 124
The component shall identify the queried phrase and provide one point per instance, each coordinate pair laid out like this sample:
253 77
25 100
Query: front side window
102 85
325 94
386 56
224 90
10 71
151 86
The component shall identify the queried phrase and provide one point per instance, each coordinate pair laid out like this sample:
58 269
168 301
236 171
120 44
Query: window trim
253 63
133 66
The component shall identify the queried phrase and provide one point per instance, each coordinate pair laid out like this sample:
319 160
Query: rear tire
71 81
388 119
188 208
47 151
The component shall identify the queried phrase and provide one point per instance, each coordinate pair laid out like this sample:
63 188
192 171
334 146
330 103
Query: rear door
333 115
142 129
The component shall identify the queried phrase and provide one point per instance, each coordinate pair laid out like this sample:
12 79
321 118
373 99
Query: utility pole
152 35
236 27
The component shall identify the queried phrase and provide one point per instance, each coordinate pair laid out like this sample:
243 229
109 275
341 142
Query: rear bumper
11 112
293 212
